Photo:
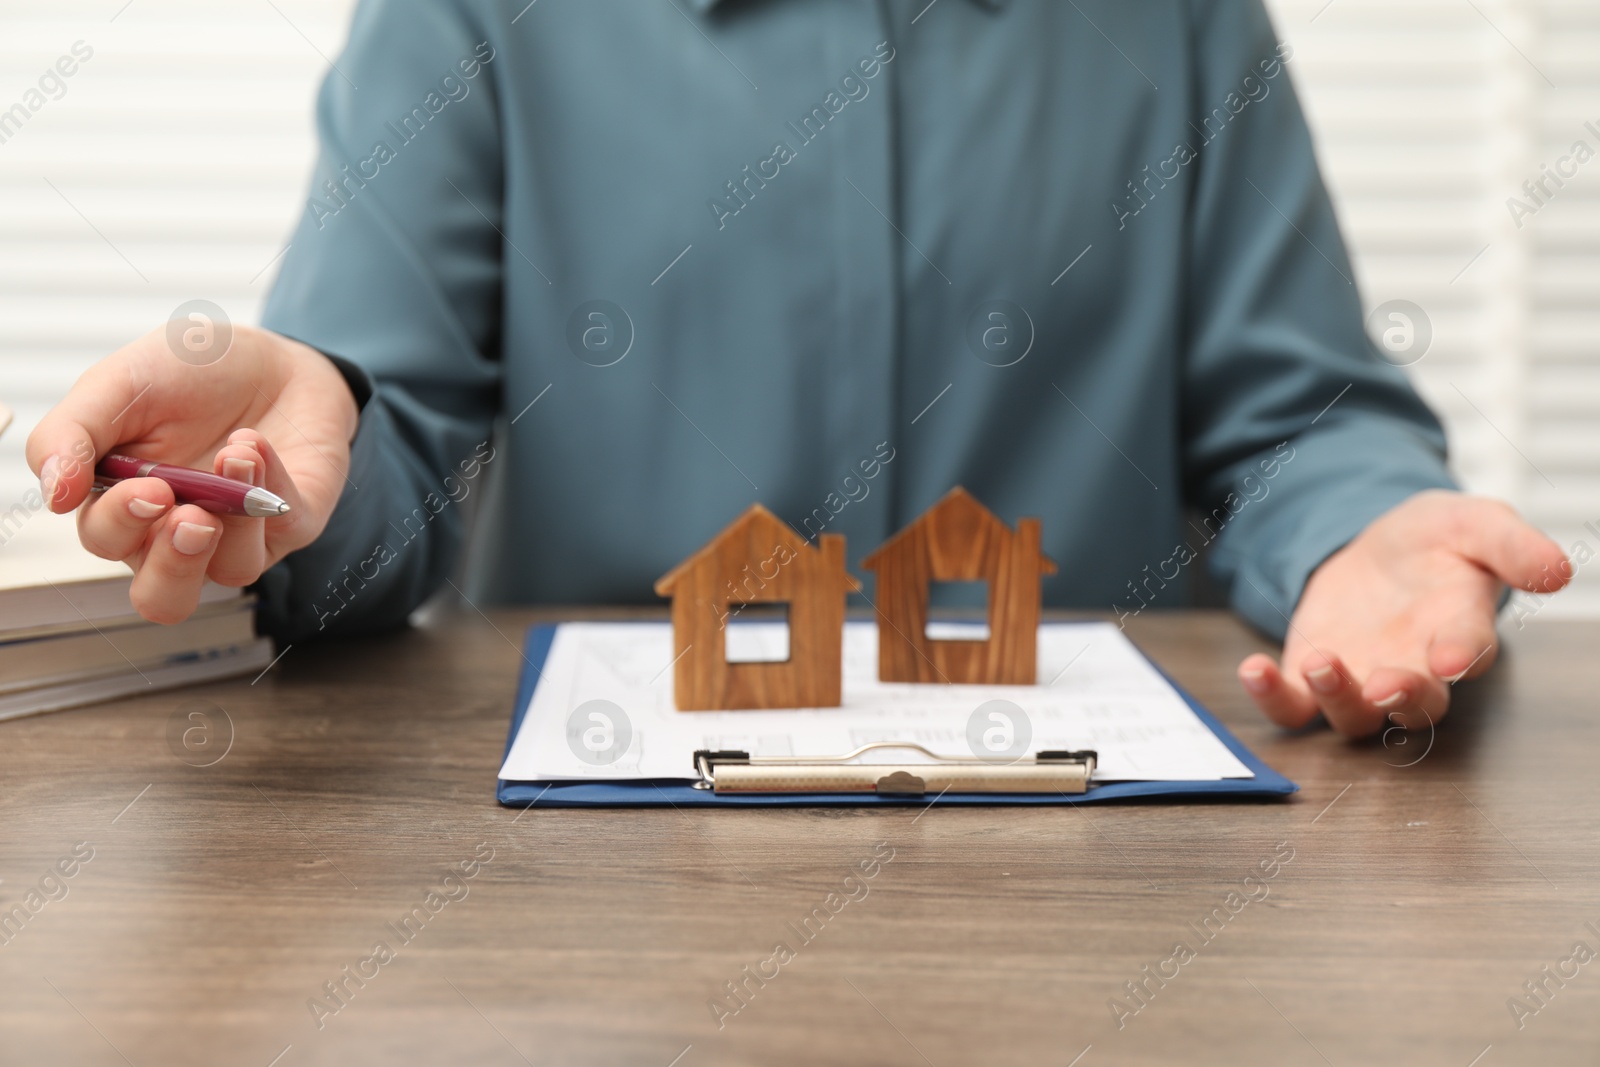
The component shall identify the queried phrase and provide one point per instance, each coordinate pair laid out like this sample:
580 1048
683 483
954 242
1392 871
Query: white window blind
170 165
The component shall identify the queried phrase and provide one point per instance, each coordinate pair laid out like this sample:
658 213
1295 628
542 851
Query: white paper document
603 710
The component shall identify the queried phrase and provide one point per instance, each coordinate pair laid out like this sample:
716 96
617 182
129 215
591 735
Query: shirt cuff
356 378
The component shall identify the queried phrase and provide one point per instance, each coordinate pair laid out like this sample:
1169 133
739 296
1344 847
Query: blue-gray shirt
617 271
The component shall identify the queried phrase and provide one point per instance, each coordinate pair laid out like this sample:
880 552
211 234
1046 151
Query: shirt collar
700 7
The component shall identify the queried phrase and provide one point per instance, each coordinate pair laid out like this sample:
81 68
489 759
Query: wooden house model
759 560
960 540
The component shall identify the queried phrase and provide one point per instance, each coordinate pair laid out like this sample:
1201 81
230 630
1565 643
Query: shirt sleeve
1297 434
396 269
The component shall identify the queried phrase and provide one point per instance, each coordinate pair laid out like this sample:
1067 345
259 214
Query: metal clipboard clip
731 771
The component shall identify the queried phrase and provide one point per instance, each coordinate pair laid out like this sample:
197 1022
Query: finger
242 554
1494 536
115 524
1338 694
1464 648
166 586
65 444
1281 702
1414 700
275 478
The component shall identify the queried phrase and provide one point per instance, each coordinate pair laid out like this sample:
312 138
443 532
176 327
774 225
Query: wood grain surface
1428 882
758 559
960 540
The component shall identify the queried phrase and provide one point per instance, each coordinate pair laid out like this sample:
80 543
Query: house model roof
957 510
760 527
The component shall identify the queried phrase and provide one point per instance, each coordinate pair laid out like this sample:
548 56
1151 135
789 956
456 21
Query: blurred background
171 165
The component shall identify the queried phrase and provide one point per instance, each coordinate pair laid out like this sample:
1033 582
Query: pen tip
283 508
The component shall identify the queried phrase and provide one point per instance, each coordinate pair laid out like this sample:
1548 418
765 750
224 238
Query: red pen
218 495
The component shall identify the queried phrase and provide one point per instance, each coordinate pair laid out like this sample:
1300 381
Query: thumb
1495 537
86 425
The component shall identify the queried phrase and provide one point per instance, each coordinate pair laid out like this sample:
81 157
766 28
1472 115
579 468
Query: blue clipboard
679 793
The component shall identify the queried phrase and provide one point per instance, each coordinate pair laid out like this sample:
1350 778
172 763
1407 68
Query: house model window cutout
960 540
757 560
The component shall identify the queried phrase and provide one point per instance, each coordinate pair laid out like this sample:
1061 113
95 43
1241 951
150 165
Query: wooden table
220 899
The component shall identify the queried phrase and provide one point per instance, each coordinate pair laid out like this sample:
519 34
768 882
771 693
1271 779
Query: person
637 268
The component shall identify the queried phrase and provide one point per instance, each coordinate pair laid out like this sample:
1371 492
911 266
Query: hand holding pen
272 416
210 492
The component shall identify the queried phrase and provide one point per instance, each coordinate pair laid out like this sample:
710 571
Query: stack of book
69 635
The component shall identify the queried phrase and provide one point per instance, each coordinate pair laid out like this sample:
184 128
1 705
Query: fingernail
50 479
1254 681
191 538
240 470
1391 700
145 509
1323 679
